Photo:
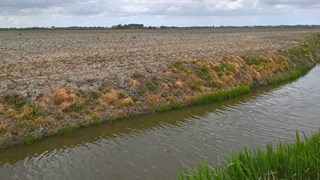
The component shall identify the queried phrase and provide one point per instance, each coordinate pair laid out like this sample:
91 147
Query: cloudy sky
46 13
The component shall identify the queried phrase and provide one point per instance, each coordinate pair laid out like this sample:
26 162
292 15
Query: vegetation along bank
299 160
185 81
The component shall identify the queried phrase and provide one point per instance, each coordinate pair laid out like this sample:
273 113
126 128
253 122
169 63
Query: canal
156 146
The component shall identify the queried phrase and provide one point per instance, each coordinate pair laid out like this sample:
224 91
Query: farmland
36 61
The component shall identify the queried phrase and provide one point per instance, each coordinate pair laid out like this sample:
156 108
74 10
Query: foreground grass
300 160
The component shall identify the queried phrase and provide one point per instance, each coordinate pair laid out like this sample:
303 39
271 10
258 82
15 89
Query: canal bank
188 81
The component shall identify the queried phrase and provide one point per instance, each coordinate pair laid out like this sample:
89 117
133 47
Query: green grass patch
254 60
75 107
216 85
196 86
299 160
95 120
141 91
299 52
111 119
151 85
221 95
103 88
227 67
168 106
218 70
30 139
203 72
179 65
65 130
36 111
15 100
289 76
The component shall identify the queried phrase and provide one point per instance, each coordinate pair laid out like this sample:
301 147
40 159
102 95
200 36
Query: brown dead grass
44 121
11 112
132 82
73 97
1 108
165 86
127 101
3 128
168 74
60 95
27 110
153 99
102 105
64 106
6 138
179 84
110 96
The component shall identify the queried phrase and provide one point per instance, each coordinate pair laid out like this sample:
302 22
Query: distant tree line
128 26
141 26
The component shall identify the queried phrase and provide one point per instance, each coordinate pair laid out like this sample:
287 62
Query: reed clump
299 160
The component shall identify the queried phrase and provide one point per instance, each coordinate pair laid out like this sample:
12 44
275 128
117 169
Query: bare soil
32 62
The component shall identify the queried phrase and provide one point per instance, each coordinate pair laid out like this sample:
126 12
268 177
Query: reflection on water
155 146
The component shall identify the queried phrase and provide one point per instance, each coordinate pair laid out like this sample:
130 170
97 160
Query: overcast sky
46 13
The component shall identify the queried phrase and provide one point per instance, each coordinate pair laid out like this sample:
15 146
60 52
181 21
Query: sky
64 13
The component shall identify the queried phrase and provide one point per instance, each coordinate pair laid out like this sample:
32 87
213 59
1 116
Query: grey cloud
79 10
294 3
29 3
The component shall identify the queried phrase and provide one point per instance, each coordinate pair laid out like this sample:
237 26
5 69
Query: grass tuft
75 107
31 112
221 95
255 60
203 72
178 65
111 119
65 130
168 106
30 139
95 120
15 100
152 86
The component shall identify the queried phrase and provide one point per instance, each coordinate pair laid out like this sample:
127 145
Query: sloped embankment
187 81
